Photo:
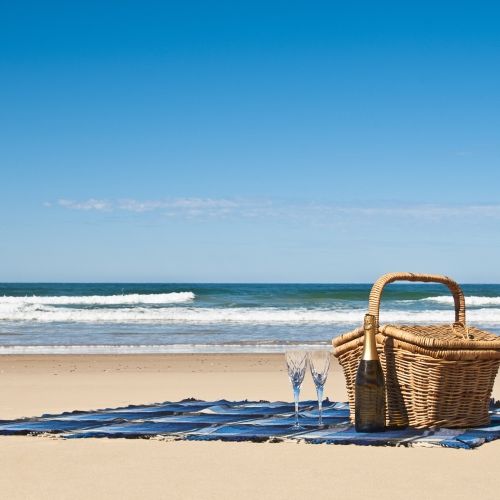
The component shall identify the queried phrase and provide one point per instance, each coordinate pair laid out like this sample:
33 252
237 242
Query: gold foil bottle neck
370 343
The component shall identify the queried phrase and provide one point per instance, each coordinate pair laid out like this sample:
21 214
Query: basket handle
378 287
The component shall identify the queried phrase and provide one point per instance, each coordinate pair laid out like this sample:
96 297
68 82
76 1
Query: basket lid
443 336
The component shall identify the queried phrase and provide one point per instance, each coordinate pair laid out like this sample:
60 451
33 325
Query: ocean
192 317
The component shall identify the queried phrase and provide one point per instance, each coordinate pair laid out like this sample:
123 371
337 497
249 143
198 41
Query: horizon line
227 283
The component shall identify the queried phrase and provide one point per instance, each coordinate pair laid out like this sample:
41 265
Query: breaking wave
43 313
469 301
132 298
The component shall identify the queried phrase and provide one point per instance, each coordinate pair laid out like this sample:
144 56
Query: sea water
190 317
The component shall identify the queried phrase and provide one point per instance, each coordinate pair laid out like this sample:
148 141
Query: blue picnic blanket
192 419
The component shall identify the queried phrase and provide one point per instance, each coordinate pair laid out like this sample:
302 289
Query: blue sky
249 141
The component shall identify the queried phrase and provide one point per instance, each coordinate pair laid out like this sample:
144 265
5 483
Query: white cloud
195 207
90 204
177 204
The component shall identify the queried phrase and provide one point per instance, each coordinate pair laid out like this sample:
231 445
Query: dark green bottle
370 386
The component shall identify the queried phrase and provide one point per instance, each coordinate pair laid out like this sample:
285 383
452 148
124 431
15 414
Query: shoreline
201 349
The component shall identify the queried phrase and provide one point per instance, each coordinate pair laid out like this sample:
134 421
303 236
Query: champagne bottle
370 386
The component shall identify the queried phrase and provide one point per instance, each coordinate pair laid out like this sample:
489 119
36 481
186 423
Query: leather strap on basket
378 287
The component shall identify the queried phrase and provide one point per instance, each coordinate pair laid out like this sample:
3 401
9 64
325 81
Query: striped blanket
193 419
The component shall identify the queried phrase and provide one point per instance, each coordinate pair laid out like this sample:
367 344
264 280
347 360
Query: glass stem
296 392
319 392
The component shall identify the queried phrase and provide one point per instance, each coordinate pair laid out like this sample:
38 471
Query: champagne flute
319 363
296 362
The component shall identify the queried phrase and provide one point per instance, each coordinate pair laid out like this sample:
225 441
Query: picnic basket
435 376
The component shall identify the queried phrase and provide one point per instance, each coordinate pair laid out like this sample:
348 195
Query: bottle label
370 406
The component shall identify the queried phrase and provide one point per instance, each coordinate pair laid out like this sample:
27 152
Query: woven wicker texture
439 375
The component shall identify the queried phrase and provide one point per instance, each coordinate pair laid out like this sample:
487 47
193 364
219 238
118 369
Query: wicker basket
440 375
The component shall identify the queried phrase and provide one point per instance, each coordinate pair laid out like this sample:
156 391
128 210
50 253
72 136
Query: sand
39 467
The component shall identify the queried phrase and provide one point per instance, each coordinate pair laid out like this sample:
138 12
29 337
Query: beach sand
40 467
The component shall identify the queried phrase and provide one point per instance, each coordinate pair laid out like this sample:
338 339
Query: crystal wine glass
296 362
319 363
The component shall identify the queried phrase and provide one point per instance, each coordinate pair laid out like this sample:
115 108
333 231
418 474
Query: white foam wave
469 301
240 347
169 315
132 298
44 313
